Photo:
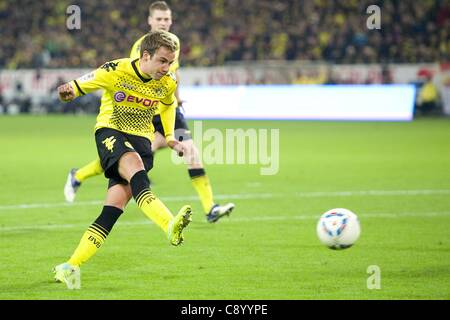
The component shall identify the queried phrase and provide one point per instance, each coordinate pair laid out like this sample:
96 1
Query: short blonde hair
157 39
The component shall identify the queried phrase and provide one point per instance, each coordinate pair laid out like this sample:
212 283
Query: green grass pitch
394 176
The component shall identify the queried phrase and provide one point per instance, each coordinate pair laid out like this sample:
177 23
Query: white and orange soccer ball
338 228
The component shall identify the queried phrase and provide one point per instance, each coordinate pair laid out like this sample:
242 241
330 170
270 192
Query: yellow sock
203 187
90 242
154 209
93 168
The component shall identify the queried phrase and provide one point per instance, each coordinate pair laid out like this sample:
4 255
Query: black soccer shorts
181 128
112 144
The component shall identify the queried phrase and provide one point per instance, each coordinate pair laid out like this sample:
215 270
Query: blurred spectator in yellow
312 76
428 99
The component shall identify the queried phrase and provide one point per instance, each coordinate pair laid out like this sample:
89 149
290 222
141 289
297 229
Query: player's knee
189 147
129 164
117 204
118 196
191 154
159 142
157 146
132 159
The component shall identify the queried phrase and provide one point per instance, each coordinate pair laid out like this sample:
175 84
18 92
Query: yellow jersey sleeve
168 122
130 97
136 49
167 114
95 80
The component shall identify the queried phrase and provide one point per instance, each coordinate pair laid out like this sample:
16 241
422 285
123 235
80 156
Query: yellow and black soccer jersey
136 51
130 99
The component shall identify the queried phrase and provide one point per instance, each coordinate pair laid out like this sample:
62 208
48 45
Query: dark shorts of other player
112 144
181 128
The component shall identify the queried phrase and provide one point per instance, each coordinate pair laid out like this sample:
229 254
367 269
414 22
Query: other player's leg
202 185
77 176
196 171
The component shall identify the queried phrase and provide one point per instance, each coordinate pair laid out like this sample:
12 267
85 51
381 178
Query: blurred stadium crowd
221 32
212 33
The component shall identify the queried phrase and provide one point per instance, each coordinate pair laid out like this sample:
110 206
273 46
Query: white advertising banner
40 84
299 102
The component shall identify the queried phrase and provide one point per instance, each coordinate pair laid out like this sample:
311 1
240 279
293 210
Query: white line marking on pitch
230 220
246 196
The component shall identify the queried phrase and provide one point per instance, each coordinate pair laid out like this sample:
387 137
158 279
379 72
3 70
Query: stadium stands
34 33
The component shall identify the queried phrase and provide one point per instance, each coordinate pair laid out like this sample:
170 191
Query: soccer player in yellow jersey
134 90
160 18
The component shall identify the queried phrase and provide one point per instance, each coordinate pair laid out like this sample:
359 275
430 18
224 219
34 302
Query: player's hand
177 146
66 92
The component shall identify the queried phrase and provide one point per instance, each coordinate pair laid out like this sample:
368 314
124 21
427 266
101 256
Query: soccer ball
338 228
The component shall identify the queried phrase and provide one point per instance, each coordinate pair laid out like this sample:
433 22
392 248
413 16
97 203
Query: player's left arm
168 122
177 92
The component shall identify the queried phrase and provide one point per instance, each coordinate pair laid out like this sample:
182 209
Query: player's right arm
66 92
95 80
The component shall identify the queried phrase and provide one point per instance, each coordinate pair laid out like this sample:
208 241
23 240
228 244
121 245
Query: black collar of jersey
135 68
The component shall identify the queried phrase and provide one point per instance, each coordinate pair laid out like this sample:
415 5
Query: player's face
158 65
160 20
